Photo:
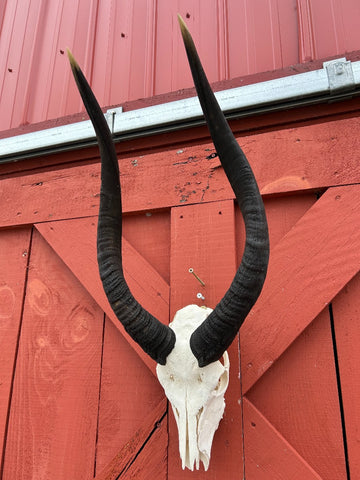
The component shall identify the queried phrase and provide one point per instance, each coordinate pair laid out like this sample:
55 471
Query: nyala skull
196 394
195 342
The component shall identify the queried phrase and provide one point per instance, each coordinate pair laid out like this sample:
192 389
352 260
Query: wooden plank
307 269
203 237
129 394
14 253
53 418
267 454
75 240
298 395
284 212
188 174
144 455
149 233
346 311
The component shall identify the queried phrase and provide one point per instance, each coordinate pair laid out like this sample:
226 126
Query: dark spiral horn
156 339
209 341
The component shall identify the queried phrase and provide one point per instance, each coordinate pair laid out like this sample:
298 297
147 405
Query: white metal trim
304 88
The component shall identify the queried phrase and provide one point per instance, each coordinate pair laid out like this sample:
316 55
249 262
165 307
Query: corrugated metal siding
132 49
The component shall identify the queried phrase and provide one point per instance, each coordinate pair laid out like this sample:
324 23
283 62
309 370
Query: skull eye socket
222 383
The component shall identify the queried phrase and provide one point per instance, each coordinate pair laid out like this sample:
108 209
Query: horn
210 340
156 339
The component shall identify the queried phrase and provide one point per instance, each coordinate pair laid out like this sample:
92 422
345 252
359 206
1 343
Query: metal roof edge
338 79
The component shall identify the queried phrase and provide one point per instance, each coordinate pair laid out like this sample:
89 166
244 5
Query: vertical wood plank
203 238
307 269
267 454
129 393
299 396
53 418
14 252
144 455
149 234
75 240
346 311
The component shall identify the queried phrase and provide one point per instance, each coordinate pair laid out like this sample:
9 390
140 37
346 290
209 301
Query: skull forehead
181 364
181 361
188 319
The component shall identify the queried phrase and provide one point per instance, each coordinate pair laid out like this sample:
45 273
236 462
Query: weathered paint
77 396
280 421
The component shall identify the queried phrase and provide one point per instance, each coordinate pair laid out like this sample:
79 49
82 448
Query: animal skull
196 394
188 351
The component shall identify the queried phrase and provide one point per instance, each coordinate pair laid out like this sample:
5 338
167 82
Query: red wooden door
80 400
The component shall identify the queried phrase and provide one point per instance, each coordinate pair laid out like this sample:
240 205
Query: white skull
196 394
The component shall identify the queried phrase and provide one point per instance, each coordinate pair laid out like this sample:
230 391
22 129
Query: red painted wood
149 233
346 311
284 161
298 395
14 253
75 240
203 238
307 269
281 212
145 454
53 417
130 398
284 212
267 454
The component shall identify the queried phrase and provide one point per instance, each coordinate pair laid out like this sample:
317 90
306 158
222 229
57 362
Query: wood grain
129 399
346 311
144 455
53 418
301 158
75 240
14 254
267 454
203 237
298 395
308 267
149 234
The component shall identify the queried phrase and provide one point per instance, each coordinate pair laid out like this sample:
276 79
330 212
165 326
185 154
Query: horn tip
184 30
73 62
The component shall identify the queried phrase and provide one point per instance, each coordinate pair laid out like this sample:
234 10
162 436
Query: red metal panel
262 35
34 75
328 28
132 49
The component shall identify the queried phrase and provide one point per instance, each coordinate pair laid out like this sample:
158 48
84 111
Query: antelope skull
188 351
196 393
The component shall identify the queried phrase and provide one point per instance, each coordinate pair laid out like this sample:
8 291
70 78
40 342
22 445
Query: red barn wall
77 397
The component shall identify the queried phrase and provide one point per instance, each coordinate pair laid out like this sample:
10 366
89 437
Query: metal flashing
340 75
338 79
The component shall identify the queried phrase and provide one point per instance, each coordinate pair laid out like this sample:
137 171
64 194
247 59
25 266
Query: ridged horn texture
156 339
209 341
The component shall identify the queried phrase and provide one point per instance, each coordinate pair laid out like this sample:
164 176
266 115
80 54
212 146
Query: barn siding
138 45
287 353
77 397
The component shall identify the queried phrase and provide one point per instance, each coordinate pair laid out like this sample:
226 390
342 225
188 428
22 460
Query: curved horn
156 339
209 341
